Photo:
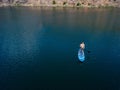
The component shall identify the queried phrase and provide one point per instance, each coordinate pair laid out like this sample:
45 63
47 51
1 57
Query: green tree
54 2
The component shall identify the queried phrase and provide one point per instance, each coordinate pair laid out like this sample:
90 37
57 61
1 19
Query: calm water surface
39 46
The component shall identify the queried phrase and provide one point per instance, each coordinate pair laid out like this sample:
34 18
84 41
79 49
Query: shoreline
61 6
44 5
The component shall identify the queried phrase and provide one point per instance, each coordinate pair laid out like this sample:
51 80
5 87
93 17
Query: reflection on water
20 33
38 48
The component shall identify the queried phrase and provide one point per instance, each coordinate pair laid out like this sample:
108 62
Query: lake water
39 48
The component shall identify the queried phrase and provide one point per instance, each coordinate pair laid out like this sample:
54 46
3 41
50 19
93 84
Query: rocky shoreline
61 3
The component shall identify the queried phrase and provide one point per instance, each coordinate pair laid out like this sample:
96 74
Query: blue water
39 48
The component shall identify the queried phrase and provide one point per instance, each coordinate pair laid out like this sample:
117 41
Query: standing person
82 46
81 54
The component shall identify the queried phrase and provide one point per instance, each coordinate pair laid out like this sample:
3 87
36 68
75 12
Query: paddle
88 51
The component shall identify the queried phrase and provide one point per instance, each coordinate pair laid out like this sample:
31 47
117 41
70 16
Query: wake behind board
81 55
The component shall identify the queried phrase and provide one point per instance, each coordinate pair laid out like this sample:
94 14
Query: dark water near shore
38 48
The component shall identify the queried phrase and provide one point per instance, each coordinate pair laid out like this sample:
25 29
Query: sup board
81 55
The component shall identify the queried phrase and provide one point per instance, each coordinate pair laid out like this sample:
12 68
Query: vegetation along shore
63 3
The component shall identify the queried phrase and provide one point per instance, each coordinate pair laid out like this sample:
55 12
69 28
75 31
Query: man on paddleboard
81 55
82 46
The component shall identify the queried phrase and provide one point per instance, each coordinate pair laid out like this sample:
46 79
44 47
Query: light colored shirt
82 45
